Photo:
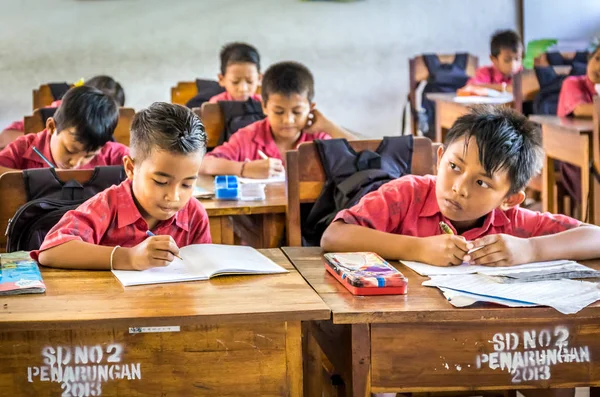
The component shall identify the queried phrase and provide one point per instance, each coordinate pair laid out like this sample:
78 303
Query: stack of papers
532 284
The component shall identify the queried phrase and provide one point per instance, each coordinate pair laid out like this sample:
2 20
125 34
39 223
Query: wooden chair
595 202
417 72
183 92
214 122
123 127
43 97
13 194
37 122
306 177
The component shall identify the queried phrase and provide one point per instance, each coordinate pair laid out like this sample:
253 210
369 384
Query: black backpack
58 90
48 199
443 77
206 90
546 100
350 176
239 114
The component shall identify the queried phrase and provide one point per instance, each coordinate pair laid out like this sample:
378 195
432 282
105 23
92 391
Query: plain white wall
357 51
557 19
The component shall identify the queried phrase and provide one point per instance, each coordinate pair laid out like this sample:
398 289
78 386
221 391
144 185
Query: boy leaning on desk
489 156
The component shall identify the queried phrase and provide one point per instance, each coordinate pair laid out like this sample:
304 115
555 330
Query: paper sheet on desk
463 299
566 296
550 267
484 99
274 179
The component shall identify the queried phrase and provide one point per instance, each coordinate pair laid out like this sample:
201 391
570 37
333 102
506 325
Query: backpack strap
238 114
432 62
556 58
396 154
58 89
460 60
580 57
546 75
337 157
46 113
44 183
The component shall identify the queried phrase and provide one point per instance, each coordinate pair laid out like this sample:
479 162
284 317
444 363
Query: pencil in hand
150 234
445 228
262 154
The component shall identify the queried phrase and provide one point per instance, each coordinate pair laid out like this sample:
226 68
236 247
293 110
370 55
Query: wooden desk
230 336
420 343
259 223
447 111
568 140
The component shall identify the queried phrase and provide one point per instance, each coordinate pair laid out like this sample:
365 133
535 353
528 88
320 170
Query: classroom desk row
260 224
243 335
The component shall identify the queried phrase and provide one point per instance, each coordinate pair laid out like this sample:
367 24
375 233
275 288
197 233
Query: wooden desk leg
272 231
227 235
215 228
313 365
360 384
293 347
439 108
548 182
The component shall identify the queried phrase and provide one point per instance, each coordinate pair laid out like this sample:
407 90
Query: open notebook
201 262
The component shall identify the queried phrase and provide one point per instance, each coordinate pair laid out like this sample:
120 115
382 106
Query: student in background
490 154
576 99
577 92
287 95
507 56
105 84
240 73
111 229
78 136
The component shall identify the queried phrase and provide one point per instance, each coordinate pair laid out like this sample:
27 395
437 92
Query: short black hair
238 53
508 39
92 113
166 126
109 86
506 140
288 78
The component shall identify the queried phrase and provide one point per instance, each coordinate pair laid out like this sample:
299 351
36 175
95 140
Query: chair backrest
417 72
183 92
305 182
595 202
213 118
36 123
42 97
123 127
13 194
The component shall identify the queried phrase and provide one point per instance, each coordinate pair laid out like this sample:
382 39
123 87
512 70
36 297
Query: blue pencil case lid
227 187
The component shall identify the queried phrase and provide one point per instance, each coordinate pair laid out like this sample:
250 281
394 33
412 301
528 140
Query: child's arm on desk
580 243
440 250
154 251
497 87
251 169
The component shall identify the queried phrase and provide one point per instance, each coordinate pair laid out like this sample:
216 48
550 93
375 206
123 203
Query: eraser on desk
227 187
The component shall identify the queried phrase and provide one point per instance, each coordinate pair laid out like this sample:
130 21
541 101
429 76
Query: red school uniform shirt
19 154
224 96
408 206
246 142
489 75
111 218
19 125
575 91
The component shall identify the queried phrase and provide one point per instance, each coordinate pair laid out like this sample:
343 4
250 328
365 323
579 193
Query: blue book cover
20 274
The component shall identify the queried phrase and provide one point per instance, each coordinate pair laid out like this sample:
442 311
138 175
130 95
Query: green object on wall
535 48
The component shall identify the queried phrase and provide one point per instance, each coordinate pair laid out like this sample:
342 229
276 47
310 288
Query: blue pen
43 158
150 234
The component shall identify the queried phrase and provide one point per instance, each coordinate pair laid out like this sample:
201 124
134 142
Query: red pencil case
365 273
